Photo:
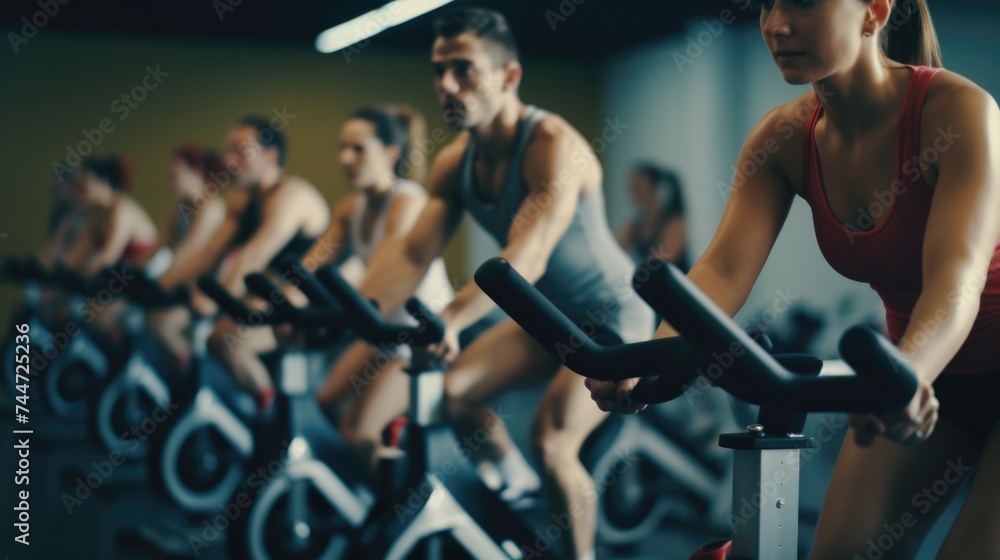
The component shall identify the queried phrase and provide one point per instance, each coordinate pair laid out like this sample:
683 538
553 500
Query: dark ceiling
571 27
581 27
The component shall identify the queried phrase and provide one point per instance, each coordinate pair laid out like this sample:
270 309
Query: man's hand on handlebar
912 424
612 396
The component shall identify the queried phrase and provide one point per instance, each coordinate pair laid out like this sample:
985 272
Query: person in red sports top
900 163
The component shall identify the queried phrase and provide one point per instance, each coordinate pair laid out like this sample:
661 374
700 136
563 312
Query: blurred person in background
657 225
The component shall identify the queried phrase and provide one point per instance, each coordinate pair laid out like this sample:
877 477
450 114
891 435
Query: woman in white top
377 162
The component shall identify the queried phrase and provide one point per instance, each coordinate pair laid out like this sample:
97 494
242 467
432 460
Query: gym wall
68 82
691 111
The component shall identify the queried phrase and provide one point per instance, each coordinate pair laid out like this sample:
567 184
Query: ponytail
412 164
400 125
909 35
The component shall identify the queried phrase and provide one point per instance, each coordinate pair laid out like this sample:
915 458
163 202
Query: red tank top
889 256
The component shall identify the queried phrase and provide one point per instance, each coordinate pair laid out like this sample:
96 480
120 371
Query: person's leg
502 358
884 499
353 372
238 347
109 319
167 328
383 397
976 531
565 418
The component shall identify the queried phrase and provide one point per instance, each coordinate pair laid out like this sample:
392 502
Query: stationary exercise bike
197 456
435 503
767 455
19 272
304 508
140 392
82 359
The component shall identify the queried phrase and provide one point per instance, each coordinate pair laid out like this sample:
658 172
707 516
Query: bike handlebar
885 381
371 325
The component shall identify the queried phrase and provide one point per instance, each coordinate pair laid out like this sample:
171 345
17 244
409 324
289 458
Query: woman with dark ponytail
657 226
118 230
381 159
900 163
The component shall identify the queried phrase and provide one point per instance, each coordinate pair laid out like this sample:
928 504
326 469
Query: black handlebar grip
284 311
432 327
229 304
671 358
892 378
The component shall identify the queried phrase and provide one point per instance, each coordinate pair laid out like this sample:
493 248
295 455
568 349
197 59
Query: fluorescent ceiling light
373 23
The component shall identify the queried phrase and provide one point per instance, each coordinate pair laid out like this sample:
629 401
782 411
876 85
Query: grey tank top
588 276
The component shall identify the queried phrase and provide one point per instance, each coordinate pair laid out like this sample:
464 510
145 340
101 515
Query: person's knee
458 397
218 345
554 449
353 432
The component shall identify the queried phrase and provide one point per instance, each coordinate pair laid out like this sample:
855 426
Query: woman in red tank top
900 162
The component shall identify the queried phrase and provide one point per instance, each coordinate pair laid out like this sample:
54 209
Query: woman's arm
188 270
199 234
962 230
120 233
80 249
58 245
328 247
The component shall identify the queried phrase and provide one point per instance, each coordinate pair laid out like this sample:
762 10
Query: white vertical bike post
765 512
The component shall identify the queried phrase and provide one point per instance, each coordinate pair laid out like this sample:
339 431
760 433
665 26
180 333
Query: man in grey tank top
531 180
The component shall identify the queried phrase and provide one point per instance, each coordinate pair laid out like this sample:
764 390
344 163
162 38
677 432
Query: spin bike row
207 451
319 506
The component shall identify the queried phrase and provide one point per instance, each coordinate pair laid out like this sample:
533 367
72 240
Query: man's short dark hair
267 135
487 25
